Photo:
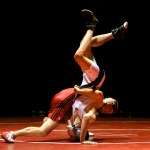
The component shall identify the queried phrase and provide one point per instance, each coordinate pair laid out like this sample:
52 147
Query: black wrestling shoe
119 32
91 20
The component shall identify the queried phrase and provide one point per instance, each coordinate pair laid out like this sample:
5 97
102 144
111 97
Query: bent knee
79 55
43 133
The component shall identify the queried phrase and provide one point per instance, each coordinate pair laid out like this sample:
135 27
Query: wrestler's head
74 133
110 106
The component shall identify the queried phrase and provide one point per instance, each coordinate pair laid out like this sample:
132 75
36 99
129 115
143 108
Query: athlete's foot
8 136
119 32
91 20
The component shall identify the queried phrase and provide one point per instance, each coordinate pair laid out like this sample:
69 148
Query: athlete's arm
94 93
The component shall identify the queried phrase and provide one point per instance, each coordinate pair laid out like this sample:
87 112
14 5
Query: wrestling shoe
8 136
91 134
119 32
91 20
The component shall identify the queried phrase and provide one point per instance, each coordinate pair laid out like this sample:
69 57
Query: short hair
113 102
115 107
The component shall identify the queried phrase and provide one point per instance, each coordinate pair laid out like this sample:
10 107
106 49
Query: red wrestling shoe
8 136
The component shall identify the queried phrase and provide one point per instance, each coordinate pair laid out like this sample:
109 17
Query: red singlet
61 103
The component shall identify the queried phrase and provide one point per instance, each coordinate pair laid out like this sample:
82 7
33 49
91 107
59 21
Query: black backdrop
38 41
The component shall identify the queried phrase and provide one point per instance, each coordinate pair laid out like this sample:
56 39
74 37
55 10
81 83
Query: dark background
39 39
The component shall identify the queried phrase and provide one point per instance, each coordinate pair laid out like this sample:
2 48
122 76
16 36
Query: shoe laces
11 135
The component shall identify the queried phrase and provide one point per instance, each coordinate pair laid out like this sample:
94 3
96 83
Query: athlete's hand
45 119
89 142
76 88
